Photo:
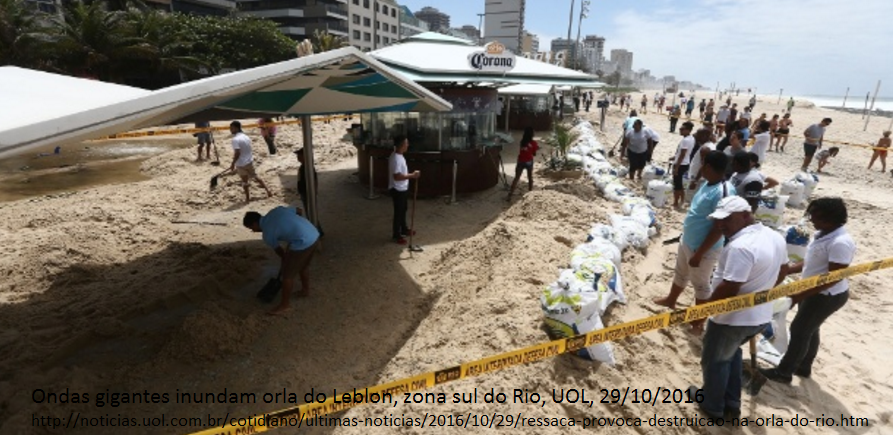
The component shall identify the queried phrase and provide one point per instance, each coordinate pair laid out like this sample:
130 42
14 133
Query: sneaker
775 376
400 241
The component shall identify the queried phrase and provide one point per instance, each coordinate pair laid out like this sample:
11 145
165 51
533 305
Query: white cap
728 206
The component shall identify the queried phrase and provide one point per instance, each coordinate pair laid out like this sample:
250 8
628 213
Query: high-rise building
220 8
457 33
504 21
471 31
409 24
298 19
572 47
624 60
374 23
436 19
530 43
594 47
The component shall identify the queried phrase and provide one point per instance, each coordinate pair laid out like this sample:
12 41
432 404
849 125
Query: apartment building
504 21
299 19
373 24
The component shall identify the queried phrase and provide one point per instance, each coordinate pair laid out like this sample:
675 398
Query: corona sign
495 57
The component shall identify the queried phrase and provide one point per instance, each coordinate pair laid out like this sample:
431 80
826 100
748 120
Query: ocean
853 101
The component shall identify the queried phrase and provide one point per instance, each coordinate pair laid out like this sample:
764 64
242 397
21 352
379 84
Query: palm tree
169 47
94 42
23 34
323 41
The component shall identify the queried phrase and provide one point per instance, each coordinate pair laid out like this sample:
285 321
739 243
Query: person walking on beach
690 106
640 142
268 132
204 140
681 161
752 102
283 226
399 186
881 155
243 161
753 261
774 125
732 120
761 140
813 140
722 117
644 104
661 101
832 249
701 109
790 105
703 146
785 125
674 117
701 242
527 149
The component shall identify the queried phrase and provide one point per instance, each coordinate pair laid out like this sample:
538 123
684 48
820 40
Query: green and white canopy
338 81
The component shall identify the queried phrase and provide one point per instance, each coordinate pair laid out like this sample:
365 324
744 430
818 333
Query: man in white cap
753 260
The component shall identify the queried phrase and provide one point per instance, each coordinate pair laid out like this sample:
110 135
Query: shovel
214 179
752 379
611 152
216 162
414 248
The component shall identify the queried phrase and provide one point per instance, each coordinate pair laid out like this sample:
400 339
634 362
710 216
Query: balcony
327 10
336 28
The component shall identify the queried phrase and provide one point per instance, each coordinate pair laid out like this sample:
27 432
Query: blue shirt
696 226
628 123
745 132
282 224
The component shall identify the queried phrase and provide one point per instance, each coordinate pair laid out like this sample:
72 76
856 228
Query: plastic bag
596 247
795 191
771 210
571 308
652 172
635 233
616 191
809 180
608 233
658 192
797 238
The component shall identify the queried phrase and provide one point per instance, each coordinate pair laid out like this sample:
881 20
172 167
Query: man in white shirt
752 261
681 161
703 146
761 141
243 160
399 185
832 249
640 142
722 117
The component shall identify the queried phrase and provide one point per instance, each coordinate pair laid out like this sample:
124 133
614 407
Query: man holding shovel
283 225
243 160
399 186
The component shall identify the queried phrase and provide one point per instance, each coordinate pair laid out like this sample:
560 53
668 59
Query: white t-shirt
639 142
745 115
685 147
695 163
739 181
499 106
397 164
761 145
722 115
837 247
752 257
242 143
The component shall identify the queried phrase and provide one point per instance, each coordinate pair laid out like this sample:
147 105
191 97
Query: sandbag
571 310
658 191
628 204
616 192
605 232
606 280
771 210
797 237
809 180
635 233
603 180
774 341
597 247
795 191
652 172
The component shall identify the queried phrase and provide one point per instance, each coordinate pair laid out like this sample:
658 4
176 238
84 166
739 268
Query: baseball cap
728 206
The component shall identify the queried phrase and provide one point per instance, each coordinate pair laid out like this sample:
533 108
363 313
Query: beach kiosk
457 150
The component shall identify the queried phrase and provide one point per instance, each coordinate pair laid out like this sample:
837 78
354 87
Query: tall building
220 8
561 44
530 43
624 60
436 19
298 19
409 24
457 33
374 23
594 48
504 21
471 31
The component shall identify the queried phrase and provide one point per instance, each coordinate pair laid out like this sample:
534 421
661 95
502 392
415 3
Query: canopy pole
310 179
508 106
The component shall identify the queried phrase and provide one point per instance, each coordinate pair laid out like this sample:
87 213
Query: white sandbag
628 204
603 180
658 191
652 172
574 159
644 215
795 191
623 171
605 232
606 279
573 310
616 192
771 210
797 237
597 247
635 233
809 180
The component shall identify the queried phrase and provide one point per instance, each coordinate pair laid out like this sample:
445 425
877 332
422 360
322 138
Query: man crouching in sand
284 225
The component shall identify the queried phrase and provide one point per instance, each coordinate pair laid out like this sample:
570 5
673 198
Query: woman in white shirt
832 249
761 140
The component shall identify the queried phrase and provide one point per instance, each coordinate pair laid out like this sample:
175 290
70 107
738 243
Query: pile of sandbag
574 304
771 209
799 188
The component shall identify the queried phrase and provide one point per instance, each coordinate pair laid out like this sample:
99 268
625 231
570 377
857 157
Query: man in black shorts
204 140
813 140
639 142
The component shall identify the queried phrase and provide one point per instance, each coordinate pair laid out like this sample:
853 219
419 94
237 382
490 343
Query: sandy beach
103 293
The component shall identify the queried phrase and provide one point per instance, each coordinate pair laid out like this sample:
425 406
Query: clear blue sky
806 47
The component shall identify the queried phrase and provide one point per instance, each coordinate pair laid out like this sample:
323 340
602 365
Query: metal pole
869 113
570 23
375 24
372 192
453 188
508 105
845 97
307 130
865 105
780 96
577 42
716 93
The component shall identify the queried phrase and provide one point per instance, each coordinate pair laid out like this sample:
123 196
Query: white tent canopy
338 81
525 89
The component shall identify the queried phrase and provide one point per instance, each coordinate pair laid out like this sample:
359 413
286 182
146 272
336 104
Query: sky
804 47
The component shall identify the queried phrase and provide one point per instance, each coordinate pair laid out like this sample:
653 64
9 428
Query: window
366 4
357 2
356 34
377 7
356 19
366 22
367 37
393 29
377 25
393 13
385 9
386 40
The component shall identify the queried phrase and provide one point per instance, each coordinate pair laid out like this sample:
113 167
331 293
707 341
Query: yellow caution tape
291 416
176 131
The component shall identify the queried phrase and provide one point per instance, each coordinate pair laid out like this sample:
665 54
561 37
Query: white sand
101 291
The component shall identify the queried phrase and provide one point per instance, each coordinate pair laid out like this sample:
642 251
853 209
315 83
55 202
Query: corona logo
495 48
